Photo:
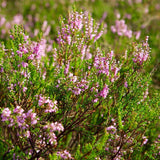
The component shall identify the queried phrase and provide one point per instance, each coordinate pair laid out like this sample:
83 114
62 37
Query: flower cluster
107 65
64 154
50 106
19 117
121 29
141 54
80 87
78 32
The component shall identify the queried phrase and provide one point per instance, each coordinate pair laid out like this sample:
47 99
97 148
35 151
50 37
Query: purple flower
24 64
5 114
56 127
125 84
51 106
66 68
41 100
104 92
18 110
95 100
32 116
64 155
52 138
2 69
27 134
111 128
2 21
21 120
24 89
121 29
141 54
145 140
76 91
138 34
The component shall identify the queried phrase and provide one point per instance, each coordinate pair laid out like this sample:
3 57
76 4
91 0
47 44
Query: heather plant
132 19
78 101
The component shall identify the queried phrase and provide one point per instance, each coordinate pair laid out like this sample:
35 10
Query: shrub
77 102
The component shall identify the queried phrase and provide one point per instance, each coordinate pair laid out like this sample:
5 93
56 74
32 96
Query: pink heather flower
23 49
64 155
11 122
4 4
2 21
44 75
68 38
141 54
2 69
145 94
103 17
145 140
113 29
98 36
138 34
56 127
51 106
52 138
24 64
66 68
140 57
39 49
25 39
18 19
95 100
128 16
75 20
44 25
83 85
36 31
31 57
24 89
104 92
121 29
46 33
106 149
125 84
20 53
27 134
107 65
128 34
111 55
21 120
102 64
76 91
73 78
41 100
111 128
18 110
32 116
5 114
79 23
